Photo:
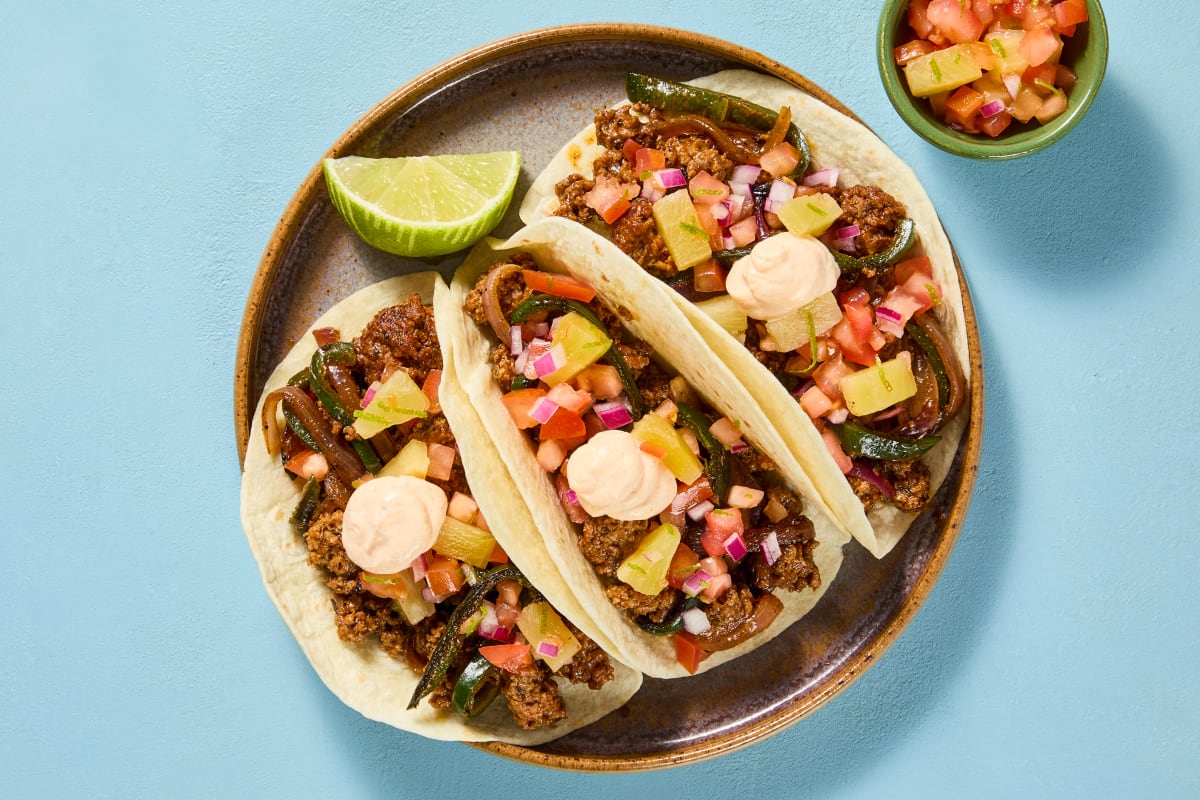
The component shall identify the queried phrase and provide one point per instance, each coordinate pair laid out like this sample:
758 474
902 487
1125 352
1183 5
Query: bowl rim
968 145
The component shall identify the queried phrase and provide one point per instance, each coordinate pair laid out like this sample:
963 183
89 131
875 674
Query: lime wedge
423 206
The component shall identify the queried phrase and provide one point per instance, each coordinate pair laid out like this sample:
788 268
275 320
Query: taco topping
814 277
392 523
687 526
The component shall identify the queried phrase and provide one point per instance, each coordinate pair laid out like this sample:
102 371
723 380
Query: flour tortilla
560 566
862 158
363 676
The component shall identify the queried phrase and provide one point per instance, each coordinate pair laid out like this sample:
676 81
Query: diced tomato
563 424
717 586
498 555
856 294
956 20
570 398
963 104
912 50
1065 77
629 150
834 446
441 461
1036 15
1046 73
694 493
561 285
683 564
433 382
719 525
688 652
780 159
815 402
444 575
908 267
918 18
708 222
984 10
602 380
610 198
519 402
1065 30
308 464
1039 45
708 276
551 453
854 333
996 124
707 189
508 657
647 160
390 586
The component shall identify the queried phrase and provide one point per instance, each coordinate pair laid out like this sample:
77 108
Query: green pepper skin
717 107
670 626
563 305
341 353
935 360
448 646
310 498
716 465
902 241
858 441
476 687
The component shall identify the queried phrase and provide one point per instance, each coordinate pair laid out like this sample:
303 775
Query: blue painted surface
149 152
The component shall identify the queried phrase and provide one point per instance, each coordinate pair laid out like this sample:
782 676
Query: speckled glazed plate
532 92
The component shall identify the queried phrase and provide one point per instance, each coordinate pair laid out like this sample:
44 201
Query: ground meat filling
912 488
875 212
532 696
400 337
606 541
590 665
637 235
615 126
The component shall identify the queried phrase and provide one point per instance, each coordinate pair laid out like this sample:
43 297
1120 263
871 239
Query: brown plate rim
407 95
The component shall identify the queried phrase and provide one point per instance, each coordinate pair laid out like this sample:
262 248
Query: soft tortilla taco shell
363 676
560 566
862 158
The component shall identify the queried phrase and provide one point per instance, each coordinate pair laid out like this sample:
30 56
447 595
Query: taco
668 505
373 488
812 263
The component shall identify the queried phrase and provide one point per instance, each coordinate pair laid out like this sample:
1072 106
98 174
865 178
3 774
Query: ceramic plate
532 92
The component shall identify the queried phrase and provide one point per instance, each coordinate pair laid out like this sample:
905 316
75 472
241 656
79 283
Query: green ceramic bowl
1086 52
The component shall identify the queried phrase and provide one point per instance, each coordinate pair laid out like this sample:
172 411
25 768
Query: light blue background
149 151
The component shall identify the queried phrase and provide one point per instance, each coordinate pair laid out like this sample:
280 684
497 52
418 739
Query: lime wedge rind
423 206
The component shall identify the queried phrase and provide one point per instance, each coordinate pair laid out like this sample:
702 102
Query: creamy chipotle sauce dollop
390 520
781 273
613 477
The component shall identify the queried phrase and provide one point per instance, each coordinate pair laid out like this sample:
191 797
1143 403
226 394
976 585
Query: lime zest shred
937 71
816 210
695 230
883 374
707 191
998 48
934 294
812 341
1049 87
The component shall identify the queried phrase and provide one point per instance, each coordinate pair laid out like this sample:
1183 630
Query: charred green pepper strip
341 353
476 687
726 257
715 106
716 466
674 624
368 455
299 380
900 243
935 360
562 305
858 441
448 646
310 498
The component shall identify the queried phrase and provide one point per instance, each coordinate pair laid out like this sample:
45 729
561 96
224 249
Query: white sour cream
613 477
781 273
390 520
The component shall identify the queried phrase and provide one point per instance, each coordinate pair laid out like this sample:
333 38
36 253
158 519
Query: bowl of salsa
992 79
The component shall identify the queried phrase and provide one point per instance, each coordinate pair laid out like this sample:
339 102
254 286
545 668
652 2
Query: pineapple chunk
942 70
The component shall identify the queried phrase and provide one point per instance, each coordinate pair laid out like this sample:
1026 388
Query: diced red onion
1012 82
739 447
470 574
770 548
519 366
991 109
541 329
695 621
427 595
838 415
781 190
613 414
547 648
543 409
698 511
845 245
735 545
570 497
369 394
822 177
551 361
720 211
848 232
745 173
652 192
804 387
739 189
420 568
696 583
956 126
670 178
516 344
872 477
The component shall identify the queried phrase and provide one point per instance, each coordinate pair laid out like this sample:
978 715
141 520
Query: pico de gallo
984 64
686 525
387 516
814 277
